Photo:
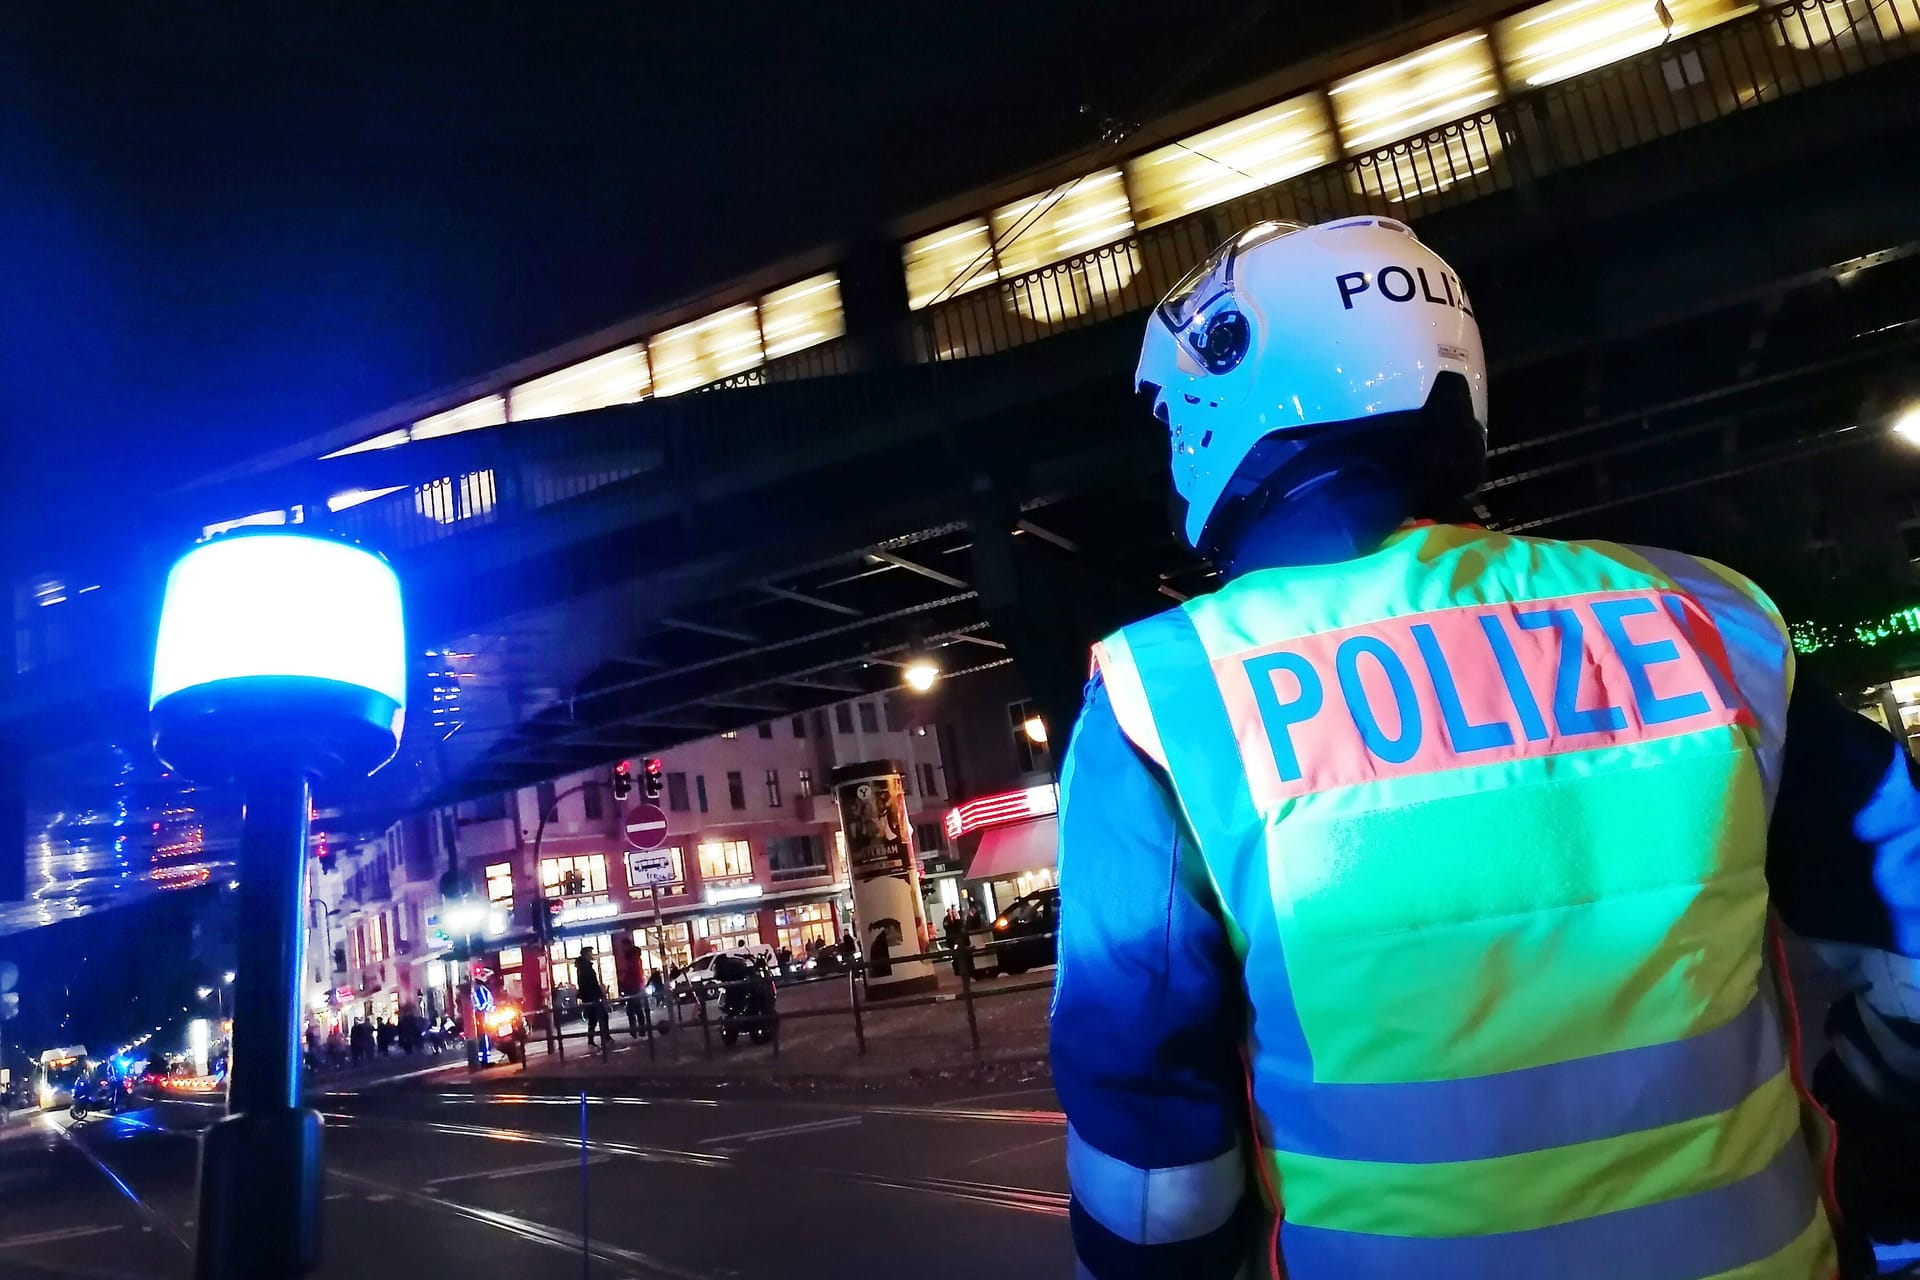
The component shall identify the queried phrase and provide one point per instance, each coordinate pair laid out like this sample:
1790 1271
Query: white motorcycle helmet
1291 335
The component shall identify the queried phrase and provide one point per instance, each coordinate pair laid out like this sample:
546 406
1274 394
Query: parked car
1024 932
699 981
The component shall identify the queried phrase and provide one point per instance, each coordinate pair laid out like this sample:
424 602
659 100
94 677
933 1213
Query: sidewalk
818 1049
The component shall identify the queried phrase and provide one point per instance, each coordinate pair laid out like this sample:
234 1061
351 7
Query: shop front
1014 838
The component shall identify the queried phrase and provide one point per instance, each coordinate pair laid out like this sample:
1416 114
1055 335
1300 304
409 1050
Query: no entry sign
646 827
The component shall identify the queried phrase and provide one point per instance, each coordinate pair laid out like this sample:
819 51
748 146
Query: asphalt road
428 1175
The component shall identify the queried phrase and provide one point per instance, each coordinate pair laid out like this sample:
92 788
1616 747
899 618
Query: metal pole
586 1235
965 954
853 998
260 1172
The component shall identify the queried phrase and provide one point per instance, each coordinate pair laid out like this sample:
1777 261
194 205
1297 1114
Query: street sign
646 827
643 868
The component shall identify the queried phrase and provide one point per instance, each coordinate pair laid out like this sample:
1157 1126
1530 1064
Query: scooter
746 1001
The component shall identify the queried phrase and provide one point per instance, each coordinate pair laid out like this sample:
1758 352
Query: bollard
706 1036
853 1000
966 990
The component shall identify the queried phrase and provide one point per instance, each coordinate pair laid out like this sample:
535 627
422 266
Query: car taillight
1000 925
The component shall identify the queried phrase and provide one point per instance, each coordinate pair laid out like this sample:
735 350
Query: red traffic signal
623 780
653 769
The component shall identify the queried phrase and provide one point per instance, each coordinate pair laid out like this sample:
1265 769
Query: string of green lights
1819 637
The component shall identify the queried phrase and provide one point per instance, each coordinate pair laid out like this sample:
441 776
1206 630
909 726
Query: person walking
593 998
1445 859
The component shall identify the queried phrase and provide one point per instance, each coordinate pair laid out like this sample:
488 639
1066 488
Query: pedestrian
849 949
336 1047
1482 833
956 938
786 960
593 998
383 1033
975 920
361 1041
312 1042
409 1032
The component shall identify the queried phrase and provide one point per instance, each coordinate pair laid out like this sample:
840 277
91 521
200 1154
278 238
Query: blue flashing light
264 604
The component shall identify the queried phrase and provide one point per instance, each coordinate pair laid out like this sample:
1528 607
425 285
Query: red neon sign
998 810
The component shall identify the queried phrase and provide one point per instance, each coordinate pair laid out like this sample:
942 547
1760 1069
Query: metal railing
1723 71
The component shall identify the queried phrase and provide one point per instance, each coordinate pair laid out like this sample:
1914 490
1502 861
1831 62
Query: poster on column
889 913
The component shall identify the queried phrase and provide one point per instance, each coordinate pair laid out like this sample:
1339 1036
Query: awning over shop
1019 846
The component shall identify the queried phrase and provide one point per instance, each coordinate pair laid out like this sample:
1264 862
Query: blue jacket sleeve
1843 865
1147 1016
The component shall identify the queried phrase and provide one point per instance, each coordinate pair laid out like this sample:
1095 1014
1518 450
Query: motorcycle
746 1000
505 1033
93 1097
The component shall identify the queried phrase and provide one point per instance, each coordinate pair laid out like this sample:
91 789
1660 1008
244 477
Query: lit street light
920 674
1906 424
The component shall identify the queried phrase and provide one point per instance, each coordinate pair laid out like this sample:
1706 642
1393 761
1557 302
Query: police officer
1417 883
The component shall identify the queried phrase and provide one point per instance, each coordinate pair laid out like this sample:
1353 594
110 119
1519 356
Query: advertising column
889 914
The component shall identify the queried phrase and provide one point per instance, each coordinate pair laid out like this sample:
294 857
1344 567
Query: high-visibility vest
1486 817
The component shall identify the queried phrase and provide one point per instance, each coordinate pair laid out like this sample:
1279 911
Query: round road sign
646 827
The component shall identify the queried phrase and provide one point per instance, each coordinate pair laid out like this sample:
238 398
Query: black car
1024 932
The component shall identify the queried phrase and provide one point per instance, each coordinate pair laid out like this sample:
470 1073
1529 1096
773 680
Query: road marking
52 1237
494 1175
762 1135
537 1232
1015 1150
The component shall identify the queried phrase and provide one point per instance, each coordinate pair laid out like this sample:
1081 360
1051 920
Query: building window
730 735
819 722
677 792
561 956
386 937
700 790
1032 756
590 802
766 728
795 926
843 717
724 860
736 789
486 809
544 797
664 946
799 726
896 714
869 719
500 884
773 788
723 933
928 783
796 857
804 784
591 868
906 781
928 836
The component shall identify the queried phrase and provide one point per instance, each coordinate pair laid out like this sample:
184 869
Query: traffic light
652 777
623 780
544 910
573 884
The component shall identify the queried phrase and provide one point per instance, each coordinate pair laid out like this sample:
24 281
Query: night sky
225 232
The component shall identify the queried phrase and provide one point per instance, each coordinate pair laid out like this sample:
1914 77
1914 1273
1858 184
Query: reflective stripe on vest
1487 818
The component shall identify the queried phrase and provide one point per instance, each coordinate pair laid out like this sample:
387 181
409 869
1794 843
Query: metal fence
1722 71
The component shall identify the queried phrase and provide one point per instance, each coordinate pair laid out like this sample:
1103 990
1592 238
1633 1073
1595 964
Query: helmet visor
1212 279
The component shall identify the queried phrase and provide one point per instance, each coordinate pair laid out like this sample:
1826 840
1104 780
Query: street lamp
1906 424
246 687
1036 730
920 674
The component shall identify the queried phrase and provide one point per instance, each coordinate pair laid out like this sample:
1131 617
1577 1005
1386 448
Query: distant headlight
1000 925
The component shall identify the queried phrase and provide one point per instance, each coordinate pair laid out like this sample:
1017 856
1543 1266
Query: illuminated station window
487 411
618 377
949 262
706 350
1554 42
1401 99
1257 150
802 315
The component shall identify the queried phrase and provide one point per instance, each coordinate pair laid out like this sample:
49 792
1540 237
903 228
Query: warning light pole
246 690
